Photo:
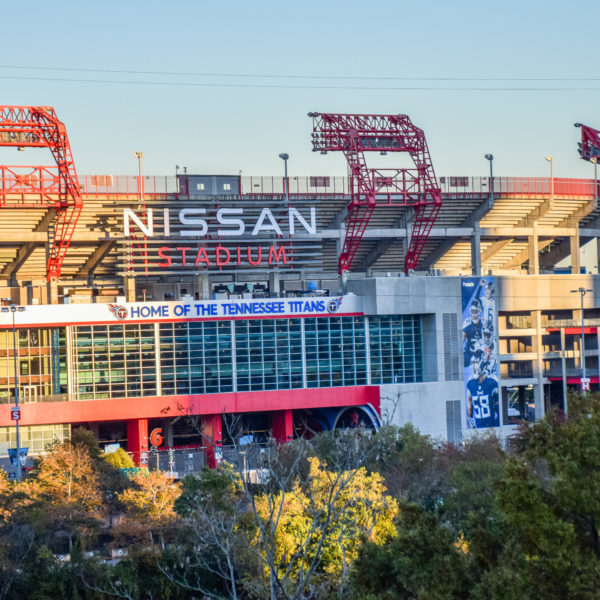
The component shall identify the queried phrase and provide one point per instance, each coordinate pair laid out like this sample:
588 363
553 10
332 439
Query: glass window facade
268 354
113 361
41 360
196 358
208 357
335 351
396 349
36 438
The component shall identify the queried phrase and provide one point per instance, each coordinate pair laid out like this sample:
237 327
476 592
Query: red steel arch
354 135
54 187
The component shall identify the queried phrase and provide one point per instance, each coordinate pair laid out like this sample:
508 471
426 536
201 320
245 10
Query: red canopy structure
54 187
355 135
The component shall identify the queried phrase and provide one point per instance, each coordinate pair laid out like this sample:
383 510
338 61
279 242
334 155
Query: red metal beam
47 187
354 135
117 409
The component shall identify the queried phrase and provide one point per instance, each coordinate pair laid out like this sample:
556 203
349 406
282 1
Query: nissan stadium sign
215 238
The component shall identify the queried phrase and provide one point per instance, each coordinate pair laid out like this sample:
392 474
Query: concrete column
344 282
282 425
574 243
212 434
201 286
476 250
274 284
53 291
563 369
129 285
137 440
169 433
25 294
534 252
538 367
340 241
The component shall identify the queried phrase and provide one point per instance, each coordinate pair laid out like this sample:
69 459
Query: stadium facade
218 296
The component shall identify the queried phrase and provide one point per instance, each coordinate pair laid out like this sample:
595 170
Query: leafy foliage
119 459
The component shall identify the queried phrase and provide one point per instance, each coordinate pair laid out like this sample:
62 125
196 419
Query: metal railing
157 186
184 461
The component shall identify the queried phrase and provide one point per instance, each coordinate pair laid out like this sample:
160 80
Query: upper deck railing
32 181
156 186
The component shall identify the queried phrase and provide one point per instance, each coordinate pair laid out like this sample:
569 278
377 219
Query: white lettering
259 224
147 230
186 219
167 221
241 226
312 228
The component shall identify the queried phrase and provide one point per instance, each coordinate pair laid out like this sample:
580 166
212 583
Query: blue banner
480 352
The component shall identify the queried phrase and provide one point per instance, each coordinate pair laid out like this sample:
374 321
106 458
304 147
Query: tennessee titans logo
334 305
119 312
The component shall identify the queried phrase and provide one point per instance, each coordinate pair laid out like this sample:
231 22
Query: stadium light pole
550 159
490 157
14 308
582 292
284 157
139 156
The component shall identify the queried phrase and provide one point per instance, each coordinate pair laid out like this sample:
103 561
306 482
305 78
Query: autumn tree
317 528
69 487
149 506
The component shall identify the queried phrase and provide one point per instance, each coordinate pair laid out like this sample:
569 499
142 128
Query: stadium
276 307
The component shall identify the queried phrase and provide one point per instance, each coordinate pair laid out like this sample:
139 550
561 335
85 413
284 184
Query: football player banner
480 352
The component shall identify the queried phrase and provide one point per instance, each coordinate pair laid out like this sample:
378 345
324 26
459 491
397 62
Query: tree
423 561
409 463
119 459
69 488
318 528
541 541
281 523
149 505
211 555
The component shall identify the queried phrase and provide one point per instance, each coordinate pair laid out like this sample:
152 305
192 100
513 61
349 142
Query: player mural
480 348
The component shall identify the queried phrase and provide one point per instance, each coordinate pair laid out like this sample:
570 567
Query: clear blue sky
212 129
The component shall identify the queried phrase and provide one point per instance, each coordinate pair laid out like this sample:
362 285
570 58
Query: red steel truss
53 187
356 134
589 147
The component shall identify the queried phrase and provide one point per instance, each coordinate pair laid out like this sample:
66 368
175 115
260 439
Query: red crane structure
589 147
54 187
354 135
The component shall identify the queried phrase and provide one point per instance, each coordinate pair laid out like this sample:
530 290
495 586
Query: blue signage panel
480 352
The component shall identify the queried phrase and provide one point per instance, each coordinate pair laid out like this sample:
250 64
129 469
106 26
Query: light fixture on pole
584 381
284 157
550 159
490 157
16 411
139 156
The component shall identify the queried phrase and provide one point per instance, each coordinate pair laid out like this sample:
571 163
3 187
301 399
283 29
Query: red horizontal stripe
117 409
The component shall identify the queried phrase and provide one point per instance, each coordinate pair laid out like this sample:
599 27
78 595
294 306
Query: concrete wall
546 292
422 404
